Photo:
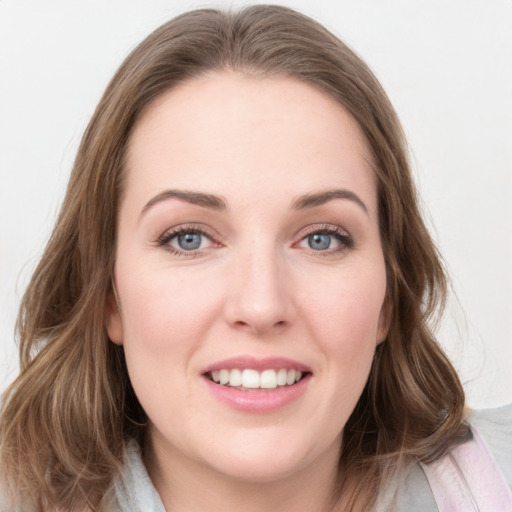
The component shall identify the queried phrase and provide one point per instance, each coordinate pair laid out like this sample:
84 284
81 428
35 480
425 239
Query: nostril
260 327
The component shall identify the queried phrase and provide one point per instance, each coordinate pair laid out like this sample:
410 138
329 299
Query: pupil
319 241
189 241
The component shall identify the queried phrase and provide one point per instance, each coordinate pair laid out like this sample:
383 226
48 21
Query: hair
67 417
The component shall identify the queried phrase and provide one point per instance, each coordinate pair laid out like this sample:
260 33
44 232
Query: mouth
257 386
249 379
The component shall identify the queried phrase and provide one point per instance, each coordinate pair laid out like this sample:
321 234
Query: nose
259 297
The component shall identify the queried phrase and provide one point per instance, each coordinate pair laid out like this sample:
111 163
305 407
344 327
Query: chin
260 469
264 456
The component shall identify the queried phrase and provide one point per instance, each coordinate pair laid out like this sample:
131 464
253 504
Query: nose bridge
258 288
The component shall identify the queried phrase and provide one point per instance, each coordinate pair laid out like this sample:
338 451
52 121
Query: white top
136 493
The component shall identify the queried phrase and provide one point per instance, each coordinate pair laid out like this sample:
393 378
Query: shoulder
133 489
414 493
495 427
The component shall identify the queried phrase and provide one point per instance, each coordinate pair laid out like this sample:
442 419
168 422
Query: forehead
228 130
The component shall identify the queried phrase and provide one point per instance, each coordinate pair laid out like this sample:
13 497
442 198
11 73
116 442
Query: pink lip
258 400
269 363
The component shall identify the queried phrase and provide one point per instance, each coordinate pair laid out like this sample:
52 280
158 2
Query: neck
187 486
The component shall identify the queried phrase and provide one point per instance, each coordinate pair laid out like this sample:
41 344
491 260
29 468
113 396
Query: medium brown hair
66 418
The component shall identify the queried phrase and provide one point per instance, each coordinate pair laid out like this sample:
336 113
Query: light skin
273 180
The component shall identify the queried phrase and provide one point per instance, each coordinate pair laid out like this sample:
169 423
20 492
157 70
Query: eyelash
345 240
164 240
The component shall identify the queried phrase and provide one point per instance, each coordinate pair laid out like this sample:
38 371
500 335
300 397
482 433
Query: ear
114 323
384 320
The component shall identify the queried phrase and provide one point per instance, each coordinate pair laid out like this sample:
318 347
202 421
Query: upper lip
258 364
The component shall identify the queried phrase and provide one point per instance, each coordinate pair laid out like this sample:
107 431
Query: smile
254 385
250 379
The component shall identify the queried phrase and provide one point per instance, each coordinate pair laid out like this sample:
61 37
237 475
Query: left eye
327 240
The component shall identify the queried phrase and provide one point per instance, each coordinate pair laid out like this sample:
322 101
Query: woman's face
250 275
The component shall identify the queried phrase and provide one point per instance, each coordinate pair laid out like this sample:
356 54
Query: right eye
189 241
186 241
321 241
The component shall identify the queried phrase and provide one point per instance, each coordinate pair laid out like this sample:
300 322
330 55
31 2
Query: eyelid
322 227
164 239
344 237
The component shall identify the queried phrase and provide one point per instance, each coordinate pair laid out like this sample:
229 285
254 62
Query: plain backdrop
446 65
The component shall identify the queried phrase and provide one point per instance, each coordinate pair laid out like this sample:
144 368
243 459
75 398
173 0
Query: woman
238 290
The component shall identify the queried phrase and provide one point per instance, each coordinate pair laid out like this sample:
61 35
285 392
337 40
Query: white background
446 64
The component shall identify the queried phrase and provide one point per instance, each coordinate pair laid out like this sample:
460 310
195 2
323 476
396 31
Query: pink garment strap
467 479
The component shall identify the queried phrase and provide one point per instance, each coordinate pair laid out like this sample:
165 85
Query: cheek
164 318
163 309
348 307
344 320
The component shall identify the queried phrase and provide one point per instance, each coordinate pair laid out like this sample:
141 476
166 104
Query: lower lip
258 400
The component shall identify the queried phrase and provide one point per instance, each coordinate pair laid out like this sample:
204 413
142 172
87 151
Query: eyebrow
320 198
210 201
216 203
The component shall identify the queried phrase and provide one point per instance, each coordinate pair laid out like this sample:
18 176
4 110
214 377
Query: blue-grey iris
189 241
319 241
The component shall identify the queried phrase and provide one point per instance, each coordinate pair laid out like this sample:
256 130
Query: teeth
235 378
281 377
224 377
268 379
252 379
